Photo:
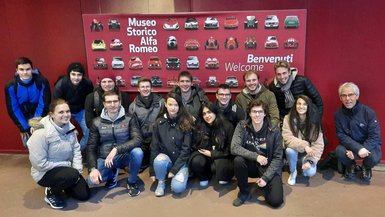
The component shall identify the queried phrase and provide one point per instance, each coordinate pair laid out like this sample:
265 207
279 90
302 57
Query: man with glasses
146 106
358 131
232 112
114 143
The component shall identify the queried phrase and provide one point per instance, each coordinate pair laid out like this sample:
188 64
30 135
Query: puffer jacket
266 96
197 98
146 117
171 141
105 134
53 146
358 128
242 145
300 86
299 143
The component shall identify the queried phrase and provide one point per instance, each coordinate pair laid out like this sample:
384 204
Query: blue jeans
292 157
81 120
369 162
133 159
162 164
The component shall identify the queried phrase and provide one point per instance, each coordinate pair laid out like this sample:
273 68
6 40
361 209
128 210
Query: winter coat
123 133
25 101
53 146
74 95
168 139
300 86
266 96
146 117
299 143
232 113
242 145
358 128
197 98
94 104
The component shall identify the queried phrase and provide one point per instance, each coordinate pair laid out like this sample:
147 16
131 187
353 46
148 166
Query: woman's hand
205 152
306 166
309 151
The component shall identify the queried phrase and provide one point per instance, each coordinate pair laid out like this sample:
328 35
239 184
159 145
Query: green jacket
266 96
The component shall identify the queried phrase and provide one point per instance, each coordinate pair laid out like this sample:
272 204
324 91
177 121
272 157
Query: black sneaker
52 200
366 174
349 172
112 183
133 189
241 199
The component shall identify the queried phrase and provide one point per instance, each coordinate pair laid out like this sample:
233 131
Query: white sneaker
223 182
292 178
204 183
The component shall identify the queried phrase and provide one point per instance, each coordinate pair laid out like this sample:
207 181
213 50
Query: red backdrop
344 43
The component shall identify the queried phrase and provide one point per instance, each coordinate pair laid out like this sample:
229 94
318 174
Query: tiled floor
326 194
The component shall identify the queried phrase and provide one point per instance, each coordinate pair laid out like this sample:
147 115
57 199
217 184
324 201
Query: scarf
147 100
289 98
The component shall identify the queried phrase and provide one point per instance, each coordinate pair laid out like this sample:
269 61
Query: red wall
344 43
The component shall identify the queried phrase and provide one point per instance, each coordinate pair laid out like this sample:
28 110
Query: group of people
184 134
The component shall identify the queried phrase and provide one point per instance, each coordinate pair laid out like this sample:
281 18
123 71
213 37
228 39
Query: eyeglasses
224 94
257 111
350 95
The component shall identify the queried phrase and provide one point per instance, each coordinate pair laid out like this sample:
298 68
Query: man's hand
95 176
261 183
110 158
363 153
350 154
262 160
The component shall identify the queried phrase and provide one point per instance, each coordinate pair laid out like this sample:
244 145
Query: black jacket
197 98
232 113
74 95
300 86
171 141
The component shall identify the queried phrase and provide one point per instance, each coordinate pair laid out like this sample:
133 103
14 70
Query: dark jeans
67 179
369 162
244 168
203 167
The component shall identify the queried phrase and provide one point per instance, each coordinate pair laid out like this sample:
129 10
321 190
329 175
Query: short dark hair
23 60
185 74
76 67
257 102
250 72
144 80
223 86
110 93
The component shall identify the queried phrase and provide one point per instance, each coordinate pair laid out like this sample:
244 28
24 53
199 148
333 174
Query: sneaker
112 183
52 200
204 183
292 178
223 182
133 189
241 199
366 174
350 172
159 192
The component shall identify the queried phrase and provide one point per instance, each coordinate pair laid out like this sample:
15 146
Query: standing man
358 130
287 85
74 88
254 90
232 112
27 95
114 143
192 96
94 104
146 106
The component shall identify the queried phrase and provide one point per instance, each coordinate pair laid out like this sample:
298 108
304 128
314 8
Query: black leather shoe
366 174
349 172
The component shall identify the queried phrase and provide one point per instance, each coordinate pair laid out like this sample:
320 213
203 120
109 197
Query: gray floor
326 194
